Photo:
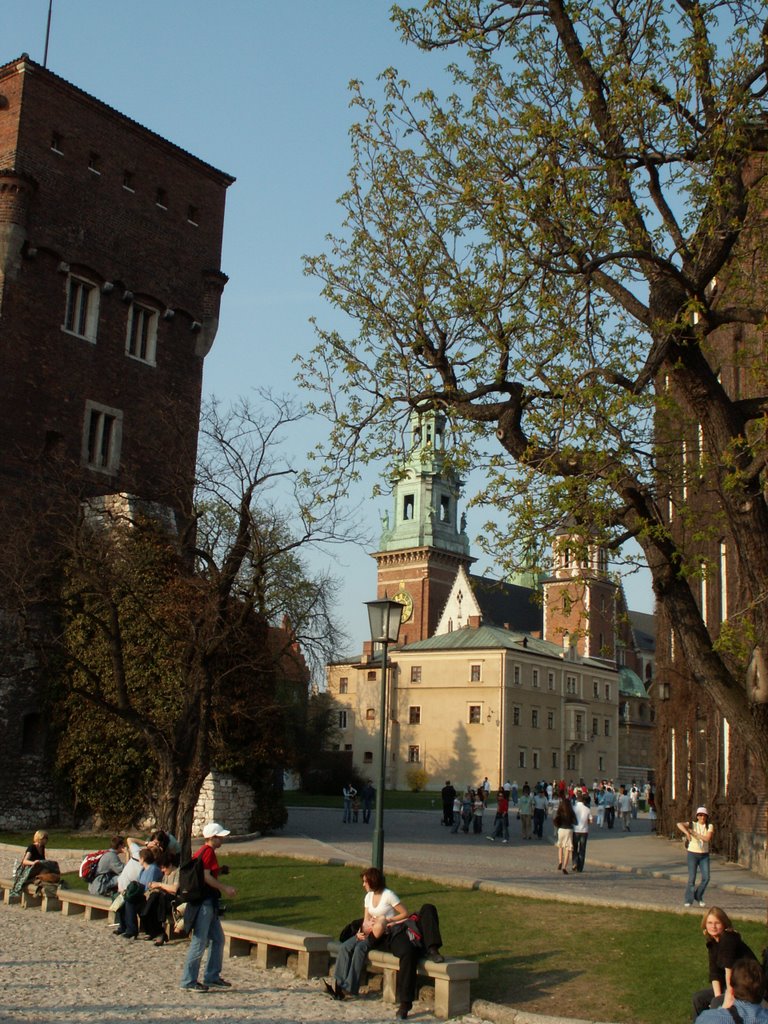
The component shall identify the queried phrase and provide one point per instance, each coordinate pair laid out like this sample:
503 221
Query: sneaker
196 986
686 904
504 841
702 903
489 838
220 983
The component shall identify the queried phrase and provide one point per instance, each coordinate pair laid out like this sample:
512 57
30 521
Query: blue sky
259 89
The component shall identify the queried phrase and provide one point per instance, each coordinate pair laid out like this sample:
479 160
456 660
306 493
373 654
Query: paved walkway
634 869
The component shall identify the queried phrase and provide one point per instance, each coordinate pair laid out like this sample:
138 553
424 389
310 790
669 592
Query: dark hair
565 814
375 879
147 855
117 842
748 980
161 837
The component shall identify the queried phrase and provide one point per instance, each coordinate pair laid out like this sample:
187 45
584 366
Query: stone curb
498 1014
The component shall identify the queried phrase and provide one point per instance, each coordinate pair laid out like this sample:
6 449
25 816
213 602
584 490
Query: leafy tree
186 647
567 256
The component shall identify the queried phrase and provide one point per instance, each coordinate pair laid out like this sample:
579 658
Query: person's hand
229 891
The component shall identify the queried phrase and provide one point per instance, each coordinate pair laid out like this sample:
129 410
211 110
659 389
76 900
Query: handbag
117 902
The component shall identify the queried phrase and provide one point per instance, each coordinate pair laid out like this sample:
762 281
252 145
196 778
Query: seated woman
724 947
135 895
384 925
161 895
109 867
36 850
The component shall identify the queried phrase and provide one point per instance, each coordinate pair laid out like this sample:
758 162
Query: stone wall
227 800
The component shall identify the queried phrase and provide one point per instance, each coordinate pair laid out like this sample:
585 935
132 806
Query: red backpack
90 863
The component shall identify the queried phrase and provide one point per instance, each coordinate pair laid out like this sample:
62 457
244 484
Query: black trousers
579 850
409 955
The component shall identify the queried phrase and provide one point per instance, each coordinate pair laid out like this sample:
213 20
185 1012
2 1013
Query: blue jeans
206 931
700 862
350 963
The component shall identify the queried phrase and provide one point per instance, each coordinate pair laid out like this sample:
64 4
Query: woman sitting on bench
387 925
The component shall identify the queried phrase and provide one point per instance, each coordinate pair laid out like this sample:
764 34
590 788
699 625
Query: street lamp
385 618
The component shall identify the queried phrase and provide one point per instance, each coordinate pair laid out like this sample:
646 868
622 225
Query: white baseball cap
214 829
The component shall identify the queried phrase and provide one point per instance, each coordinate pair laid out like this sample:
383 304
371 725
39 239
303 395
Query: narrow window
414 755
94 163
415 673
161 199
554 759
474 673
192 216
516 716
414 715
57 143
128 180
550 719
474 714
343 684
535 759
535 679
535 720
82 310
521 759
102 437
342 719
141 337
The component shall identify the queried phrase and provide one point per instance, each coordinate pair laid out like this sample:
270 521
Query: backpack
90 863
191 882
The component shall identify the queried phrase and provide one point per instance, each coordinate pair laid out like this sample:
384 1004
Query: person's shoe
489 838
434 955
338 992
686 904
196 986
161 939
329 989
219 983
702 903
402 1011
565 871
504 841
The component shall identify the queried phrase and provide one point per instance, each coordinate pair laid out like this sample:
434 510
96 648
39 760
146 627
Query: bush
416 778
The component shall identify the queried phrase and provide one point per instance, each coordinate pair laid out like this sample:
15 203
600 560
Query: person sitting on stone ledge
108 869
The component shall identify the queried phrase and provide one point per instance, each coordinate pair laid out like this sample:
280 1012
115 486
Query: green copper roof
630 683
489 637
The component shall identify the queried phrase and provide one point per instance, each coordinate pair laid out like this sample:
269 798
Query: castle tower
422 548
579 596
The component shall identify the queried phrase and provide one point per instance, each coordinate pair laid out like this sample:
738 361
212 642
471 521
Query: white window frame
535 678
415 673
96 454
81 309
141 333
470 708
342 719
475 673
414 754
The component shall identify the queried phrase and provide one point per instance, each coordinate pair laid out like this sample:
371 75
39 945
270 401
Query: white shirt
387 902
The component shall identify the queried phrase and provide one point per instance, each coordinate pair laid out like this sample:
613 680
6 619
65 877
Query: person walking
448 795
540 808
369 798
581 830
348 793
625 807
698 835
525 810
564 820
501 821
202 919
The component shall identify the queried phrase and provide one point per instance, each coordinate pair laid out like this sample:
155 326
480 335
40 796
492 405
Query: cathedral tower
425 544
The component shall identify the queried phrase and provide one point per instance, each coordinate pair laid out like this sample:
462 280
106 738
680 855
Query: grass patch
596 963
60 840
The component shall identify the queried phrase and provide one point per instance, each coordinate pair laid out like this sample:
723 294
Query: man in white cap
205 924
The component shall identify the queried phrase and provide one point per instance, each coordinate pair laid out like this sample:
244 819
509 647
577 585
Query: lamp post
385 618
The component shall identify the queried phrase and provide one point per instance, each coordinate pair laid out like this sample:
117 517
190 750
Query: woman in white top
699 835
383 909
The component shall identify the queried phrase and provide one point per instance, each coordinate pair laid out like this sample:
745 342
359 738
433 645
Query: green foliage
554 255
416 778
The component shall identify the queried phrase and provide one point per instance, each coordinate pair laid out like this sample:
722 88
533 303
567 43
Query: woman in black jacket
724 946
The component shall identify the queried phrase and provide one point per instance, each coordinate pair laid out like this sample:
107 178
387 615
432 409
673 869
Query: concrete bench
271 945
94 908
451 979
28 897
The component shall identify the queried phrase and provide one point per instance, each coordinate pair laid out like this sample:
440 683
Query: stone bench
271 945
452 979
94 908
28 897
